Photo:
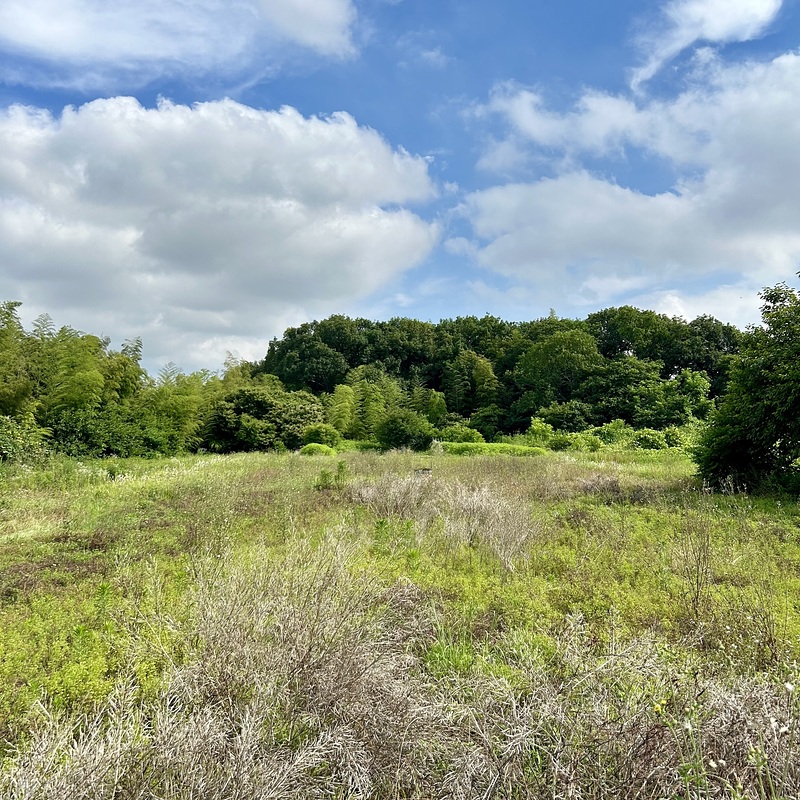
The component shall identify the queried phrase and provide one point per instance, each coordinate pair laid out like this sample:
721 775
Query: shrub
316 449
571 417
649 439
586 441
615 432
404 428
674 436
322 433
21 440
560 441
539 433
461 433
490 449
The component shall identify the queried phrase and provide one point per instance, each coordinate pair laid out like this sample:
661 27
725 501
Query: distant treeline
69 391
647 369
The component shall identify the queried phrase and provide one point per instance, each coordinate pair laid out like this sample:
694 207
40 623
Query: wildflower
687 725
789 686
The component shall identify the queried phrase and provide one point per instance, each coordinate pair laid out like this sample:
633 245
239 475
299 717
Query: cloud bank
686 22
218 224
729 215
93 44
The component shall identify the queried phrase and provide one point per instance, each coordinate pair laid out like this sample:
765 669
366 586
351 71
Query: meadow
401 625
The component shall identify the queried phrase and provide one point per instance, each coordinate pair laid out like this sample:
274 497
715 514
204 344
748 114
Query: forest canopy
400 382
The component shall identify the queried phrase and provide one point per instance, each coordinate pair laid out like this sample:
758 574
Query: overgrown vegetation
486 571
574 624
400 383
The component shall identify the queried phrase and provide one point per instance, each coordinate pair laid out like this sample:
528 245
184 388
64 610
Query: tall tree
754 437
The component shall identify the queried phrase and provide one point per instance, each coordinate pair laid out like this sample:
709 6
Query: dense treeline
396 382
621 363
69 391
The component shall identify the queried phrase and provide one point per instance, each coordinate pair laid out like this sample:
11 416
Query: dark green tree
553 368
754 437
260 418
404 428
16 385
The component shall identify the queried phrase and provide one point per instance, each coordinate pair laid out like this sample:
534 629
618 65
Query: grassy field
592 625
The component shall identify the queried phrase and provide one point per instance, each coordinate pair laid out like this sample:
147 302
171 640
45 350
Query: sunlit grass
488 582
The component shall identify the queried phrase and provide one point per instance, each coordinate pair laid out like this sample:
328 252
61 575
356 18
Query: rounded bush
461 433
586 442
316 449
321 433
404 428
649 439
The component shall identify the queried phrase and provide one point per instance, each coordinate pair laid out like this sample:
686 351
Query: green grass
491 571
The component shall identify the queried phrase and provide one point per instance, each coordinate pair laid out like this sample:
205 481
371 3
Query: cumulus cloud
91 43
212 223
732 208
686 22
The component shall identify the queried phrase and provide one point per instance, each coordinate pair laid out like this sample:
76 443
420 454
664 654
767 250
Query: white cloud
203 224
737 304
421 47
600 122
687 22
92 43
730 142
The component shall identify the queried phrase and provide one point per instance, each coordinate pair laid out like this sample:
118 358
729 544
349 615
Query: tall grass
503 628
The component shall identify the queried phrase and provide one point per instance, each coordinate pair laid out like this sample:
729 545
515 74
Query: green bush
316 449
540 433
571 417
560 441
460 433
675 437
322 433
615 432
21 441
490 449
586 442
649 439
404 428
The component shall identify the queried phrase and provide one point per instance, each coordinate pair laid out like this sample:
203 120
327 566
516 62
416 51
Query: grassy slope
522 624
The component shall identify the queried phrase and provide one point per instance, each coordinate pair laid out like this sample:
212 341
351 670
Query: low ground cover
582 624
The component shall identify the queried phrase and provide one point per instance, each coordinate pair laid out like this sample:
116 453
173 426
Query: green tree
404 428
754 437
553 369
260 418
340 409
16 386
469 382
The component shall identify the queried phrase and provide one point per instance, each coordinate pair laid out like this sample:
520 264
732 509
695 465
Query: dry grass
297 669
303 679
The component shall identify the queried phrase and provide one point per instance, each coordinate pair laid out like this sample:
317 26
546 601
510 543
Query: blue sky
205 174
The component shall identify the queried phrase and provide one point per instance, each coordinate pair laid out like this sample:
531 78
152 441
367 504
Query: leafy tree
260 418
16 386
488 421
469 382
404 428
303 361
572 416
375 393
631 389
173 406
436 410
553 368
754 437
340 409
